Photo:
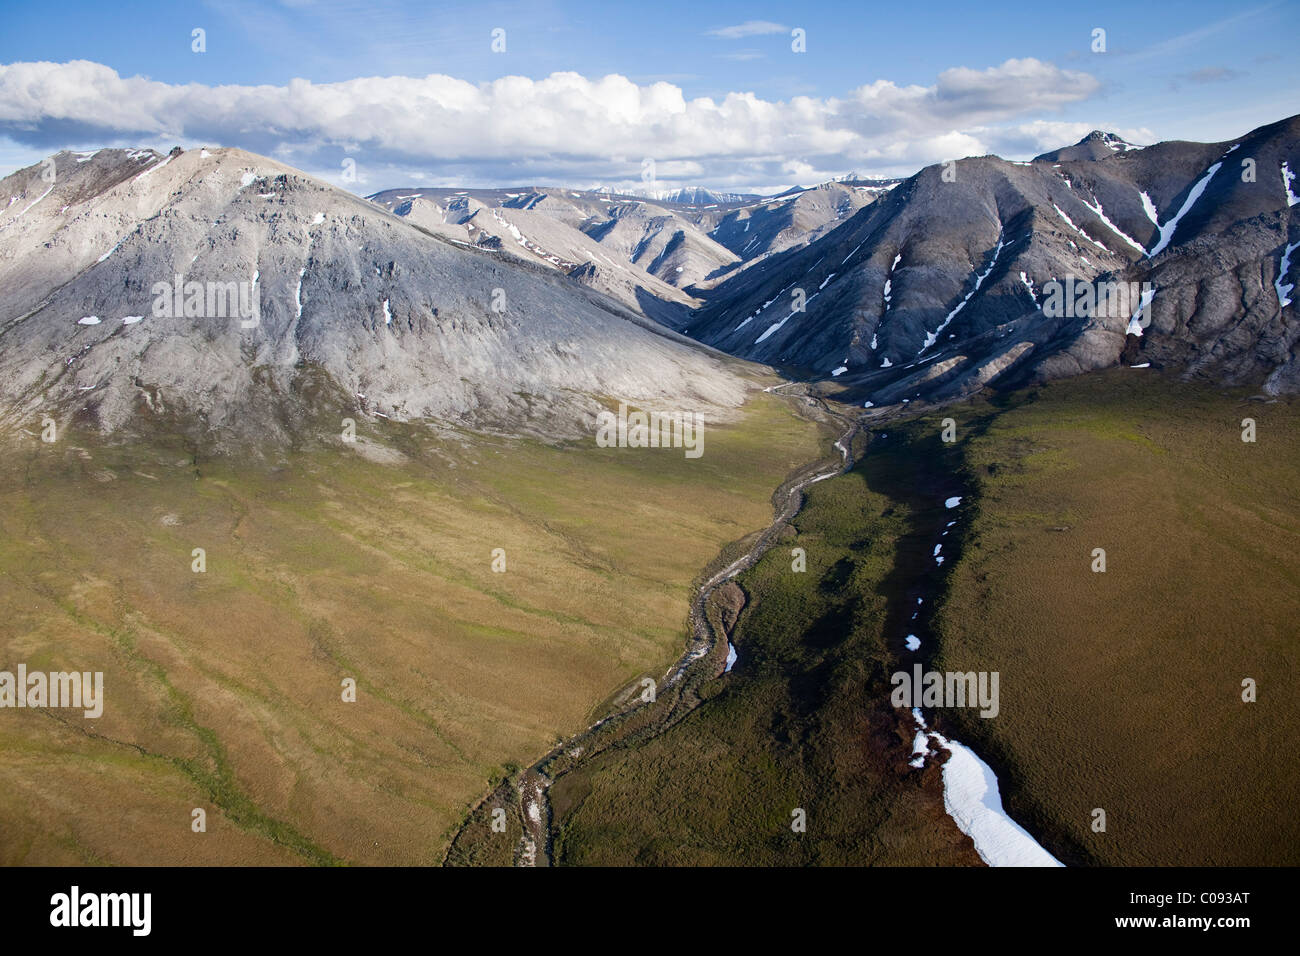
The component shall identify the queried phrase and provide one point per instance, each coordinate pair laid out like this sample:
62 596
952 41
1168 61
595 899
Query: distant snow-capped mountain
685 196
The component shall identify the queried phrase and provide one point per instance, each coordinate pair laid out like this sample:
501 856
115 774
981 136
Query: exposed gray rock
354 310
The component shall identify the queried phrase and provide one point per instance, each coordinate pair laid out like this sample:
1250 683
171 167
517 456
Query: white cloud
750 28
564 128
1026 140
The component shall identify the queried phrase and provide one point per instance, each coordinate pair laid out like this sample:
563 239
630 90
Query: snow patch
1167 230
1101 214
154 169
105 256
38 199
1284 291
1135 326
773 328
1288 178
1029 284
932 337
970 795
1150 209
1070 222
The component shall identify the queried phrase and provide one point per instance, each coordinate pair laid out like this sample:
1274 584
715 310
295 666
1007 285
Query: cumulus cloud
564 128
1040 136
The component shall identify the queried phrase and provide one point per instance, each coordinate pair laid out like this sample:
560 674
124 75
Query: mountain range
523 309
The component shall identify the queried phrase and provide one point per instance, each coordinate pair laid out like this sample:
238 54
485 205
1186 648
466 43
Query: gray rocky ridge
356 310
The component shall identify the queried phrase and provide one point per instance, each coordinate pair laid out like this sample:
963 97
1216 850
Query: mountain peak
1098 144
1113 140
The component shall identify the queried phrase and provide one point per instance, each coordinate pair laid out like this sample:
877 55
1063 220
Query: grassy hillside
224 688
1122 690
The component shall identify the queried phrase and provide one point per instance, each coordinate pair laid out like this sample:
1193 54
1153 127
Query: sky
744 97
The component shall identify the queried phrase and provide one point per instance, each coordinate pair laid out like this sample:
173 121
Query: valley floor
224 687
1120 690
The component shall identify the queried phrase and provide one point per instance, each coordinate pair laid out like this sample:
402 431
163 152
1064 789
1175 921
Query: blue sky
881 88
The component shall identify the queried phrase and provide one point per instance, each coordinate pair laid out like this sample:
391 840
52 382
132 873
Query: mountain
646 255
471 376
699 196
657 254
685 196
1096 145
346 307
941 286
521 309
793 218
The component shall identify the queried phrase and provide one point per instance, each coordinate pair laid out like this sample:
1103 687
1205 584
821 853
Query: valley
551 526
804 719
373 562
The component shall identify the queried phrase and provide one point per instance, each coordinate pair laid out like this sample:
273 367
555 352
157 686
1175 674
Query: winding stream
971 795
535 846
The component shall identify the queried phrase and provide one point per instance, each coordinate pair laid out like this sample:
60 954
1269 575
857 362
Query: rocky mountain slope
942 286
794 218
295 296
567 228
521 309
657 256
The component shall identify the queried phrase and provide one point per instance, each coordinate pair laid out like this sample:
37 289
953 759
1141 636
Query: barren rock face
638 253
243 297
958 262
